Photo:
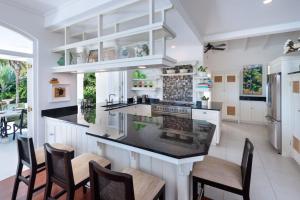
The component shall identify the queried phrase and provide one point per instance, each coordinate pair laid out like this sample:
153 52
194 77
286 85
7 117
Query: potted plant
204 100
202 71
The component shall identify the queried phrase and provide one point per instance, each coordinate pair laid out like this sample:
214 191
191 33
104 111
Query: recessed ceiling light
267 1
142 67
173 46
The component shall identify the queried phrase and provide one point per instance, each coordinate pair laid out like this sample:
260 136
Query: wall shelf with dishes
203 83
180 70
140 81
101 42
179 74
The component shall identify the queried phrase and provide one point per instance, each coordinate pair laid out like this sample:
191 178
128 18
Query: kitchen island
165 146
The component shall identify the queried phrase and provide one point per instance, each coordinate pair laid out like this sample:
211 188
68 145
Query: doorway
16 94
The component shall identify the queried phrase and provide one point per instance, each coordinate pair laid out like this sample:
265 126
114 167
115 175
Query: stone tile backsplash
178 88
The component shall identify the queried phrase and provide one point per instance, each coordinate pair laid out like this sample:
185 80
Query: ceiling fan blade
220 49
220 45
206 50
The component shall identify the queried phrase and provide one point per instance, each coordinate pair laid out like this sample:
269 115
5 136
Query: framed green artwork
252 80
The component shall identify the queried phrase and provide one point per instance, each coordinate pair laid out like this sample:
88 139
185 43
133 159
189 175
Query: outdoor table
3 117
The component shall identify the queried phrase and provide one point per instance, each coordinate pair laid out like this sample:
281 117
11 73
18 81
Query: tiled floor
8 156
273 177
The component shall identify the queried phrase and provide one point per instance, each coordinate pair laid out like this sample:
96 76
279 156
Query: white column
183 181
66 42
101 149
134 160
80 78
151 33
100 33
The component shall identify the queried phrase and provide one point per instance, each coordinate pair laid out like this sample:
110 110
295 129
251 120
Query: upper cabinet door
232 89
218 90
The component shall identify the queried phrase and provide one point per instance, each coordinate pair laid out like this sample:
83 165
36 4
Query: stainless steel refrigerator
274 110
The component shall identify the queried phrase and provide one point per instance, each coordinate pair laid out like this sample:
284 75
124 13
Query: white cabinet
253 112
295 115
226 90
212 116
58 131
139 109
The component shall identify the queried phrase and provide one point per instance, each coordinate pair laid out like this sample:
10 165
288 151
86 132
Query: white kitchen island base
175 172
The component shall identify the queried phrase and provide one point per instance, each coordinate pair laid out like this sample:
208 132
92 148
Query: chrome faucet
110 100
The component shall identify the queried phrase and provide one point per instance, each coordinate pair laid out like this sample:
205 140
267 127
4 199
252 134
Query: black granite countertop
210 106
167 135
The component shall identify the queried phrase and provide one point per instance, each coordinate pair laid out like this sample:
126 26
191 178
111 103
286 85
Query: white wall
33 25
258 50
187 45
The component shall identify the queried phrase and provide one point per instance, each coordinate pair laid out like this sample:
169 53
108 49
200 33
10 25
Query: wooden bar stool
132 184
224 175
69 174
35 161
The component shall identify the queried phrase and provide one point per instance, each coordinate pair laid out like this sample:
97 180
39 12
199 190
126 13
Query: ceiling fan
218 47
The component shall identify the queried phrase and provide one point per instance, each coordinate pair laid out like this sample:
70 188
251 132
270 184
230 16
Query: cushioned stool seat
146 186
219 171
80 166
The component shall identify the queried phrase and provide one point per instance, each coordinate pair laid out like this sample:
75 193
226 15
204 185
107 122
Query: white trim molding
254 32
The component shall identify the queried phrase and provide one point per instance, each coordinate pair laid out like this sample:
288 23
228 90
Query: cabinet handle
205 113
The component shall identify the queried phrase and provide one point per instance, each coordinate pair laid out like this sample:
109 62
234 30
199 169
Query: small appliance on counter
145 98
130 100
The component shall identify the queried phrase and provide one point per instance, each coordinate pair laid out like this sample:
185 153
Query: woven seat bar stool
132 184
35 161
224 175
69 174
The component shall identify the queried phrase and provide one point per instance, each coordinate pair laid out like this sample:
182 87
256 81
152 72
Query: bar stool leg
17 181
246 197
31 184
48 189
84 189
163 194
195 189
70 194
202 192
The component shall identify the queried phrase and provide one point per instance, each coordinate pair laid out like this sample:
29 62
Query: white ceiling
39 7
222 16
209 19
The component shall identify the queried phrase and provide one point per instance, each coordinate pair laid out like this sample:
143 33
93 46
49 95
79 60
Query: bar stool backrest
26 151
246 166
109 185
58 166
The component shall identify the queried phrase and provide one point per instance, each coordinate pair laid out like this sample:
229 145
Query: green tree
89 87
20 70
7 82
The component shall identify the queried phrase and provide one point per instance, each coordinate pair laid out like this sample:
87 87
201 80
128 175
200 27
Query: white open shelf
179 74
144 88
156 61
146 79
162 30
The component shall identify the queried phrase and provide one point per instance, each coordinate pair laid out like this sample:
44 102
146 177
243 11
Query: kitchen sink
115 105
